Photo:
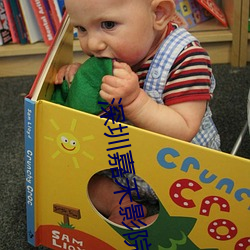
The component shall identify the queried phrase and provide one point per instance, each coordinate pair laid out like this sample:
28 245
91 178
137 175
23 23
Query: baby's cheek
130 55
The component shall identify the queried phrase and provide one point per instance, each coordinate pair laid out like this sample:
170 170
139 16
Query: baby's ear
164 11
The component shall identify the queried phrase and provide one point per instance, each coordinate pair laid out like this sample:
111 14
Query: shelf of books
222 41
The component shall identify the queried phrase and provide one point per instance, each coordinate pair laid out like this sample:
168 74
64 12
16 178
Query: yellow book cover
204 194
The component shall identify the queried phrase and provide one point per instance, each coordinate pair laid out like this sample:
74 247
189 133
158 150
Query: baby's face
117 29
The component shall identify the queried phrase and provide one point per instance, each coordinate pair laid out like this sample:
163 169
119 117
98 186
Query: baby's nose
96 44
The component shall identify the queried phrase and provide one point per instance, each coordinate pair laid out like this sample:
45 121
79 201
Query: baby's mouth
117 60
112 58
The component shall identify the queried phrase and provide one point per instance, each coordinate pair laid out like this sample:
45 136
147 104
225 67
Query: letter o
214 225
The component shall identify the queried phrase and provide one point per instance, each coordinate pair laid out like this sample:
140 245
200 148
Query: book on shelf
201 191
212 7
51 18
55 12
190 13
11 22
5 33
43 20
19 21
61 6
33 30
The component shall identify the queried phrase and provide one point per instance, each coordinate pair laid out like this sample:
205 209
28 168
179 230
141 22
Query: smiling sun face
68 143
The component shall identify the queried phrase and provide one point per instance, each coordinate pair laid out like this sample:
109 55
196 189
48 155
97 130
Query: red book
214 9
11 22
43 20
48 11
54 13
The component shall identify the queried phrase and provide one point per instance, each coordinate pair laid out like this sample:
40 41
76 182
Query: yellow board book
204 194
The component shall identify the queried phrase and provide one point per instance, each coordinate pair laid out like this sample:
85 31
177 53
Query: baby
160 71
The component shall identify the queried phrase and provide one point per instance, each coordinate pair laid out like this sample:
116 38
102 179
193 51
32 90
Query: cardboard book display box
204 194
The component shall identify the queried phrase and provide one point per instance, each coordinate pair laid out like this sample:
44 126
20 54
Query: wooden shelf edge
28 65
213 36
212 31
12 50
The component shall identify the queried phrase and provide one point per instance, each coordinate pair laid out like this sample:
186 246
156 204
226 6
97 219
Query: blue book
61 6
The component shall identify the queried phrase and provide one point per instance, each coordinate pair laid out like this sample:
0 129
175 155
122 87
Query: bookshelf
223 44
17 60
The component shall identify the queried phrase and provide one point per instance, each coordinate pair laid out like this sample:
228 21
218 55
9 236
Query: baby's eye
108 25
81 29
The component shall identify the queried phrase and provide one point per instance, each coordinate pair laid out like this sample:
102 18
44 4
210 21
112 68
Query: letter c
238 194
161 157
176 189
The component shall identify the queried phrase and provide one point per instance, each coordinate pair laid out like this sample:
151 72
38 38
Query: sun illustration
67 143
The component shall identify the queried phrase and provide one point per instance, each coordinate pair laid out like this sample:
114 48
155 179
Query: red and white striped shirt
189 77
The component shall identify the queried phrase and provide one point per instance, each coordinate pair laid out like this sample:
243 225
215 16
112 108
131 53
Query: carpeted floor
229 109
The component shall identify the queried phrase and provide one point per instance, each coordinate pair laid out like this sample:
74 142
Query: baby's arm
67 72
181 121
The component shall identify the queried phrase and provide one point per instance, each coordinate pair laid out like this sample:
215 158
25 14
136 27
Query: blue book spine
61 6
29 127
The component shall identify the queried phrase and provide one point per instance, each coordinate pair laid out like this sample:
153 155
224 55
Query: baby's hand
123 84
67 72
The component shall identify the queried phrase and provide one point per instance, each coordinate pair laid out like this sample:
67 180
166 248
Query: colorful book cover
43 20
201 191
5 35
33 30
192 12
215 10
